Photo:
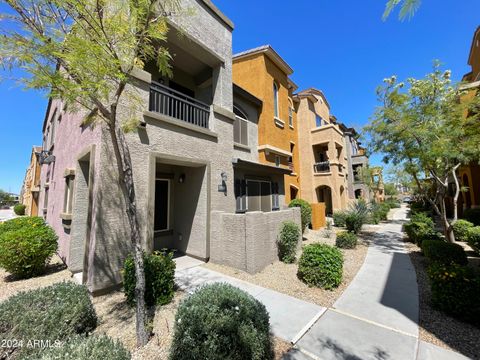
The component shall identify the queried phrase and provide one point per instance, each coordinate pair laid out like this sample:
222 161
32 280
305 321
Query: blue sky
341 47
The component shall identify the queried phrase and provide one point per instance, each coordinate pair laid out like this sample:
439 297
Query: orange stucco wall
256 74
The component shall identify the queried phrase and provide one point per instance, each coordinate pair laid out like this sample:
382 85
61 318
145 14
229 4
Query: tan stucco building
264 74
321 142
31 184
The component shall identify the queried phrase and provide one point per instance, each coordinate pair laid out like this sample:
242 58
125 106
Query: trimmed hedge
460 229
26 246
85 348
53 313
19 209
455 290
221 322
354 222
444 253
421 228
346 240
473 238
306 212
339 218
321 265
159 270
472 215
288 241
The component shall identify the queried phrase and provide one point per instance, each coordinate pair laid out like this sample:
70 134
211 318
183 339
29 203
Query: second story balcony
169 102
321 167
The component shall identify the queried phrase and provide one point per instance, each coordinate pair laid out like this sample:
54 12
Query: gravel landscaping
283 277
435 326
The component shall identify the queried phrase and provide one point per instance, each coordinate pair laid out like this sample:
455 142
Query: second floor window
275 100
318 120
290 115
68 195
240 127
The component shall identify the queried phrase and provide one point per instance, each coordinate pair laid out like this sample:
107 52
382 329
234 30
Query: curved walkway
377 315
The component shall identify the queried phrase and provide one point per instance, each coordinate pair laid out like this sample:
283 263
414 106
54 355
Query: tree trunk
447 227
124 162
457 193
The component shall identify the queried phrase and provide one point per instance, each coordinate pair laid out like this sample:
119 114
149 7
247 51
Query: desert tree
83 52
408 8
431 128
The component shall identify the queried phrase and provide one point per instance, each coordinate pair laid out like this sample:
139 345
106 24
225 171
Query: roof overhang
469 86
218 13
251 165
238 91
315 92
269 52
273 149
475 34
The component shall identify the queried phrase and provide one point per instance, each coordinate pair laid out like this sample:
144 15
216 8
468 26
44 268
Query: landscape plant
444 253
339 218
53 313
472 215
83 52
288 241
19 209
321 265
221 322
460 229
305 210
346 240
159 278
473 238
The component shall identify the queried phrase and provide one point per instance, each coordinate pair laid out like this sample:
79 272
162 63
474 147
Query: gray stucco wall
248 241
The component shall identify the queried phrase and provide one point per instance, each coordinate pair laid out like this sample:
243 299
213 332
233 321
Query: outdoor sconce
181 178
223 186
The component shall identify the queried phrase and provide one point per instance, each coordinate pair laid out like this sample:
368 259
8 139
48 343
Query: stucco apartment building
202 187
264 74
31 184
470 175
321 142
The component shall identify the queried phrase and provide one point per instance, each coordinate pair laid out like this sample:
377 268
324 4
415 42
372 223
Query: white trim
276 100
169 181
279 122
272 149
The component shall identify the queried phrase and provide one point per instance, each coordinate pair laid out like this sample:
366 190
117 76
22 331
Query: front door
259 195
162 205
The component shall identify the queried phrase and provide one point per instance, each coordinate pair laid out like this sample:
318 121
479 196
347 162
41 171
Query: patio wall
248 241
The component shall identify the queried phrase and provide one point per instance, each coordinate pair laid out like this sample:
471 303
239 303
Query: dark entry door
162 204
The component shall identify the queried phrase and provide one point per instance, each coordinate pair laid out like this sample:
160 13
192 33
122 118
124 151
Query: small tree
83 52
431 129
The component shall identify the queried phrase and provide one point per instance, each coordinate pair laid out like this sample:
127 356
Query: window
290 113
277 161
241 195
259 195
68 197
318 120
275 197
275 100
240 127
45 202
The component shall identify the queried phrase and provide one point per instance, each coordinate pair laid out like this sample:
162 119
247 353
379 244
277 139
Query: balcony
169 102
321 167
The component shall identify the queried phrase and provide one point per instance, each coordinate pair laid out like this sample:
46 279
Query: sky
340 47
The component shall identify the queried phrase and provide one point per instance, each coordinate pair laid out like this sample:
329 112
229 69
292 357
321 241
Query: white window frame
68 194
290 113
169 181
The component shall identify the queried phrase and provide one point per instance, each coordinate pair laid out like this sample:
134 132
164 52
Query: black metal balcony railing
321 167
167 101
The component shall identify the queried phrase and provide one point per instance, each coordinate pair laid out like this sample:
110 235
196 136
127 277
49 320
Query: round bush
321 265
460 229
26 251
354 222
85 348
444 253
346 240
159 270
288 241
473 238
339 218
221 322
19 209
455 290
20 223
306 211
53 313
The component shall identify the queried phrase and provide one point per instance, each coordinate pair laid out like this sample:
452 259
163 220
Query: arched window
239 112
275 100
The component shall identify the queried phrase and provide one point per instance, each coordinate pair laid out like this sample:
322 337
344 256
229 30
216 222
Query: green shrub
472 215
455 290
421 228
306 211
288 241
19 209
444 253
56 312
346 240
321 265
393 203
26 250
85 348
354 222
339 218
221 322
422 217
420 207
460 229
20 223
473 238
159 278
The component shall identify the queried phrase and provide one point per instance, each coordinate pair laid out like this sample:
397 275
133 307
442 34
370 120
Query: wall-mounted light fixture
181 178
223 186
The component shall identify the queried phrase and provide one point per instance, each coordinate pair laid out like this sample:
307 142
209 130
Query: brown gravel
56 272
283 277
435 326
